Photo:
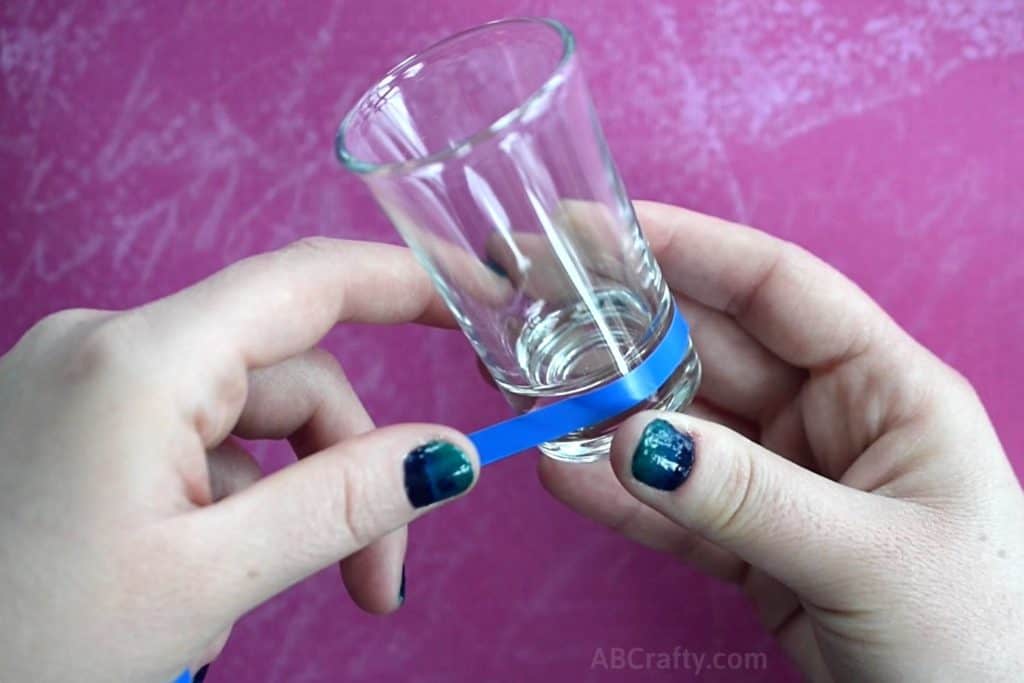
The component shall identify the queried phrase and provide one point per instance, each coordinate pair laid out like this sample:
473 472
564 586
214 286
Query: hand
134 530
844 476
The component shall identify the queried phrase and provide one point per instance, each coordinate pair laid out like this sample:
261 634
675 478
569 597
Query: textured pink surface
142 148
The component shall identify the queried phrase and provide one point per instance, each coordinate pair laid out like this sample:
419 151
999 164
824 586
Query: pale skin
844 476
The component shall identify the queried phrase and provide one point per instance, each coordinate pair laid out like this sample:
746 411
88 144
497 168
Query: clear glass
486 154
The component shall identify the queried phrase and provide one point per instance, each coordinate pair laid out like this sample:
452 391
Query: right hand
849 480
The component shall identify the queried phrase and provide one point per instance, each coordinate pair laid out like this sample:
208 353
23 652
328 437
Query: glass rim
463 146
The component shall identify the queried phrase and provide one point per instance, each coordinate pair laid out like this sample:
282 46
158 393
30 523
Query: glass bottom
564 353
593 443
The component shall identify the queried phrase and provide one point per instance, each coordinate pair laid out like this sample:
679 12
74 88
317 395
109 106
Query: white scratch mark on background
778 70
695 108
750 73
49 269
121 154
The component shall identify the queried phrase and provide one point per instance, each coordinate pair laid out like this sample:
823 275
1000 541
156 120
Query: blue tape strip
558 419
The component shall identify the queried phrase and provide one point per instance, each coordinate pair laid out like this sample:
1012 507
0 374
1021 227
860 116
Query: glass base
591 444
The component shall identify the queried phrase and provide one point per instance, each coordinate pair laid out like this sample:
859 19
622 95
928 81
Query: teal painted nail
664 456
436 471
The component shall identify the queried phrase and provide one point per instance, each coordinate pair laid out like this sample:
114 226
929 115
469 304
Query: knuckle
64 321
735 511
358 518
342 513
315 244
774 264
216 646
231 385
217 409
324 362
56 327
104 347
941 389
961 383
351 515
282 272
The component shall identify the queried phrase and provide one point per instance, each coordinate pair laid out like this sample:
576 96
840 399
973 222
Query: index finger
796 305
272 306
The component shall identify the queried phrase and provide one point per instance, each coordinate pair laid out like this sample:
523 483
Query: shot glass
486 153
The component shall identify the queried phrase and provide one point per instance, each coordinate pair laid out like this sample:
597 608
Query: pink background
144 147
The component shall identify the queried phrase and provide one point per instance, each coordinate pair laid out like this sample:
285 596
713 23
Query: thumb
326 507
805 530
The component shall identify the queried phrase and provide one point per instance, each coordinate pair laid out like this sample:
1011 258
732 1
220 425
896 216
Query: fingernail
664 457
200 675
495 267
401 589
436 471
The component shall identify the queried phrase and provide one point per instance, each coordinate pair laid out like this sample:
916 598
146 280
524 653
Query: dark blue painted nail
495 267
401 588
201 675
436 471
664 457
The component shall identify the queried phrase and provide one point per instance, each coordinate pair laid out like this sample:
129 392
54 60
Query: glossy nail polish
664 456
200 675
495 267
401 588
436 471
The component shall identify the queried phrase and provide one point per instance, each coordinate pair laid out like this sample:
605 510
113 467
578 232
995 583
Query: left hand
134 530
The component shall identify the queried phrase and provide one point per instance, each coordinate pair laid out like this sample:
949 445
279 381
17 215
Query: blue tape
558 419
